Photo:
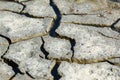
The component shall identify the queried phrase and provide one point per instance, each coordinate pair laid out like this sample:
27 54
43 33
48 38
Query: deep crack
10 62
24 6
54 71
53 33
113 25
57 20
9 41
72 42
56 24
14 67
43 49
7 38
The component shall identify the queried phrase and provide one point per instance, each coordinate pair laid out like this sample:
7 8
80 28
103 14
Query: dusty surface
59 40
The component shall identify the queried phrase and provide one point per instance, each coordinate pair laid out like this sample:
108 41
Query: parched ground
60 39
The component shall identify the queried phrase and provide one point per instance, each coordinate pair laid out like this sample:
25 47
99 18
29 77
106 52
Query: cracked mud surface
59 40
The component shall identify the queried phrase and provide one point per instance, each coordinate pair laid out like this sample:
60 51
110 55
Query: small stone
19 27
95 71
59 49
39 8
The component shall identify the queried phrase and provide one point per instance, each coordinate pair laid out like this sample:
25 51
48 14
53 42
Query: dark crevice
43 49
10 62
14 67
115 64
56 24
110 62
7 38
57 20
54 71
30 75
113 25
24 6
9 41
72 42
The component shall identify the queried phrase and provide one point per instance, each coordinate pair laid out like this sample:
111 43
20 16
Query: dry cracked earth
60 39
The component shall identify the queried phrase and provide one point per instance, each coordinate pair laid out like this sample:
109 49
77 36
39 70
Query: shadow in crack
56 25
9 62
54 72
14 67
72 42
24 6
43 49
110 62
57 20
53 33
8 39
113 25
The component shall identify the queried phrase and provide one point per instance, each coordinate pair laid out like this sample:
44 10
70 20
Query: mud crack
57 20
9 41
43 49
56 24
54 71
9 62
53 33
87 24
113 25
107 36
14 67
